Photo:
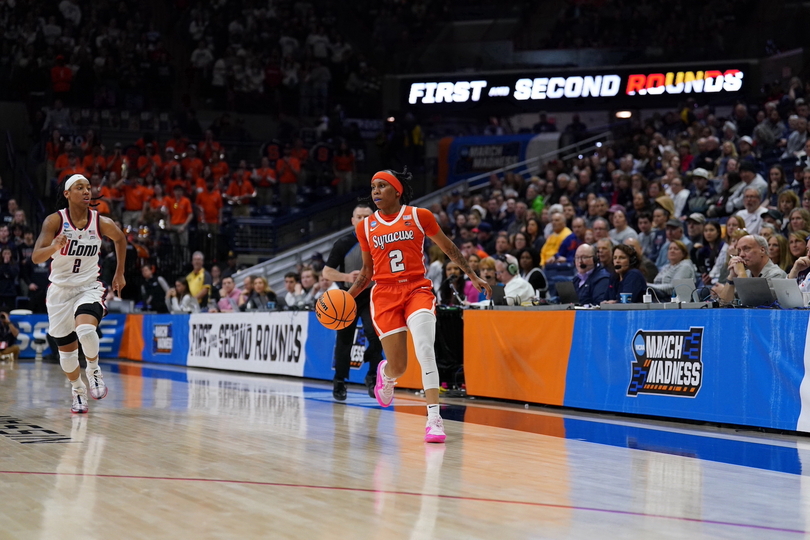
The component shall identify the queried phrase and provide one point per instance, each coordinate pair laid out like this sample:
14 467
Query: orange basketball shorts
393 304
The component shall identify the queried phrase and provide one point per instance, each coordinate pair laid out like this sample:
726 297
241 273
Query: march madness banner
272 343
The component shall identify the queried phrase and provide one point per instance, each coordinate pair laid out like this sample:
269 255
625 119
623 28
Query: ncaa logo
638 345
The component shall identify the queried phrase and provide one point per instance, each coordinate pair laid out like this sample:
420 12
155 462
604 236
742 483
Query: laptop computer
567 292
788 293
683 289
754 292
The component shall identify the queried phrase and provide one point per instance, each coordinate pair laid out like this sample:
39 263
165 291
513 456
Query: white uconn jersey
77 263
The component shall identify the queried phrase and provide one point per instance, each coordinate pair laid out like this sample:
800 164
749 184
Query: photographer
8 337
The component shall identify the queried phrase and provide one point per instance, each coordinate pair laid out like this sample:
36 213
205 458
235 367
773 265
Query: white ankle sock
433 411
92 366
78 383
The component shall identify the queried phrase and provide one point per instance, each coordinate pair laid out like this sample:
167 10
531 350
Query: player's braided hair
405 179
61 200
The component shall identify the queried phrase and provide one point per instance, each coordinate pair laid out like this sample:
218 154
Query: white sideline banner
272 343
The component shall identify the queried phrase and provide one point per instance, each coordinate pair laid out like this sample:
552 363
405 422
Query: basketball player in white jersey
75 300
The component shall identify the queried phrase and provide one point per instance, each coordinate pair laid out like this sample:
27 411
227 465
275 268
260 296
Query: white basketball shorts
62 303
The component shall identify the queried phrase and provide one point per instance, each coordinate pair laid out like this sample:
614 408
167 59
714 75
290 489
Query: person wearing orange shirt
115 163
209 203
264 178
170 159
343 168
393 254
61 162
176 177
219 168
98 203
208 147
134 197
73 167
61 79
180 215
149 162
53 149
155 208
240 192
178 141
288 169
95 162
191 162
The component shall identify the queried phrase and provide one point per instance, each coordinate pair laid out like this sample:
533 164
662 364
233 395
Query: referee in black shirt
342 267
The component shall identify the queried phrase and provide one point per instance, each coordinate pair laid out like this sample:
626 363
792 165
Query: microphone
456 296
583 266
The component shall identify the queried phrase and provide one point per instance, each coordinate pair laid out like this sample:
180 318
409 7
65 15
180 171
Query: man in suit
591 280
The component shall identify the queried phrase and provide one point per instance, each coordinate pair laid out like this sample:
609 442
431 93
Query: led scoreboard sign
624 87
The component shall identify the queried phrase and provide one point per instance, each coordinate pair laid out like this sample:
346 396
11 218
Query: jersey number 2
396 261
77 266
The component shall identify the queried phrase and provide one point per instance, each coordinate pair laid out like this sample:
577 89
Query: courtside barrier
739 366
732 366
36 327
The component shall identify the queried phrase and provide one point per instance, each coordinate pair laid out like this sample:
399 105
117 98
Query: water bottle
271 306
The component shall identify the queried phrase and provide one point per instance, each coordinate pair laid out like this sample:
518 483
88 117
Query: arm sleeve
360 229
428 221
599 289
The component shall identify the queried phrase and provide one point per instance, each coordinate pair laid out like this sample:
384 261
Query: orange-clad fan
150 161
208 147
210 202
219 168
264 178
191 162
288 169
95 161
115 163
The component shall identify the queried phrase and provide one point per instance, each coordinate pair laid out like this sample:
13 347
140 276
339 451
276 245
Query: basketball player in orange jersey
75 300
392 241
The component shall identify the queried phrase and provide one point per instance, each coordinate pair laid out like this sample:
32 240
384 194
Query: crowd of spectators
99 54
668 201
216 291
689 29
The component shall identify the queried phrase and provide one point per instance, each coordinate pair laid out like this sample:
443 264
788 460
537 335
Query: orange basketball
336 309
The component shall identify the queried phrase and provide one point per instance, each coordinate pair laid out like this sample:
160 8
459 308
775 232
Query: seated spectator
309 283
621 230
646 266
752 261
199 280
529 263
262 298
751 214
569 246
9 280
534 233
8 338
627 278
516 289
228 296
486 269
674 232
707 253
326 284
179 300
591 280
796 247
679 267
453 290
247 288
559 233
604 253
296 296
779 253
153 291
799 220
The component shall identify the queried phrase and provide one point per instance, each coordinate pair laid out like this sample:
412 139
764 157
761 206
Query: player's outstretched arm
50 240
452 251
365 275
111 231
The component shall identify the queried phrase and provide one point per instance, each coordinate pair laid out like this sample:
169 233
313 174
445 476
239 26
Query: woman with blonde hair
679 267
486 269
779 253
261 297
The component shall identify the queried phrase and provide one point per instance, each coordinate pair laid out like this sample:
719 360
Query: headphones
634 260
511 267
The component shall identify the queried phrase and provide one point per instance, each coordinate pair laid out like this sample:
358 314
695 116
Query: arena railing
274 269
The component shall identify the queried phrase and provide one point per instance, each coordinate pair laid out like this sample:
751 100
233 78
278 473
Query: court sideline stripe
411 493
